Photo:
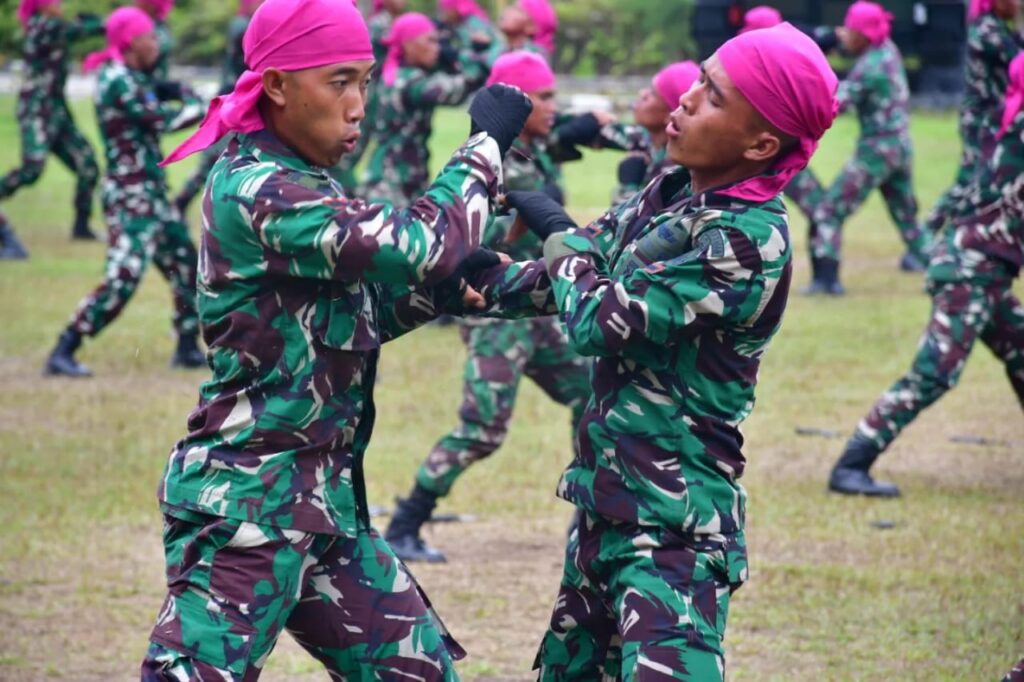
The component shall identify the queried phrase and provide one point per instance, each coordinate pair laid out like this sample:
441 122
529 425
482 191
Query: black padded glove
581 130
542 214
168 90
448 61
555 192
826 38
454 284
500 111
480 46
632 170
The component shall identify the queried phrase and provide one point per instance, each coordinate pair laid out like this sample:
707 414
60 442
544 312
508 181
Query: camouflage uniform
398 170
991 45
268 526
142 224
162 69
231 69
806 192
460 37
1017 674
970 280
43 114
676 296
379 25
877 88
500 352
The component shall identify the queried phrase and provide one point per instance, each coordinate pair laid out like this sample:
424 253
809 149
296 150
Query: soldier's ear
274 86
764 147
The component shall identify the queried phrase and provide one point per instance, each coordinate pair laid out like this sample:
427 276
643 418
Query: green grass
940 596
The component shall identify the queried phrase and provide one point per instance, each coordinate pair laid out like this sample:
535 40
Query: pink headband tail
1014 95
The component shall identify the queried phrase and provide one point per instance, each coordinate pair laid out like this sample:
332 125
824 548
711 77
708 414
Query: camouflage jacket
991 45
234 55
47 40
379 25
635 140
131 121
162 69
404 124
877 88
676 296
461 37
987 245
298 287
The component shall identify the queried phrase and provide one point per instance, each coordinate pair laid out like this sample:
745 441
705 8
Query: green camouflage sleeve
141 106
297 231
441 88
1000 45
84 27
851 88
625 137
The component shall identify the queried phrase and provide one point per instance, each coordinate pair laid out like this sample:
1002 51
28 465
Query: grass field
940 596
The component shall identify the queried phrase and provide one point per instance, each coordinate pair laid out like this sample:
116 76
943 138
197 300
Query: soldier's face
317 111
144 52
854 42
1006 9
422 51
542 118
513 23
650 110
715 128
53 9
394 6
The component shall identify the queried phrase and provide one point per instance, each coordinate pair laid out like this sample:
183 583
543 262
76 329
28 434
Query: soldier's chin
677 150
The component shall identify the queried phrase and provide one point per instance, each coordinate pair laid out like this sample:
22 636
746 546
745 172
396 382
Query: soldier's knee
31 172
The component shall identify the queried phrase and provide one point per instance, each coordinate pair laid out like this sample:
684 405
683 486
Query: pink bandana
1014 94
870 19
674 80
761 17
785 76
525 70
161 7
979 7
28 8
409 26
290 35
463 8
543 16
123 26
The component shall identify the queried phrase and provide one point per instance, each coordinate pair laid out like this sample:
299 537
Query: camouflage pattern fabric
877 89
161 71
142 224
44 119
970 280
379 25
398 170
501 352
992 43
1017 674
639 603
676 296
461 36
298 288
231 69
234 586
805 191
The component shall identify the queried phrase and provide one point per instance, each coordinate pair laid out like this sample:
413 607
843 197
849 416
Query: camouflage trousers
975 137
639 603
805 191
962 313
499 355
884 164
136 236
53 131
234 586
1017 674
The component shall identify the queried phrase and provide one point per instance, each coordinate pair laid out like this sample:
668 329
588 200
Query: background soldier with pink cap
501 352
464 22
877 89
676 294
267 524
133 112
43 115
411 88
158 11
970 279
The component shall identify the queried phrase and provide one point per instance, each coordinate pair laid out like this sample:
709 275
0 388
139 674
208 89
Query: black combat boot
815 287
850 474
403 533
81 229
828 274
187 355
10 247
62 360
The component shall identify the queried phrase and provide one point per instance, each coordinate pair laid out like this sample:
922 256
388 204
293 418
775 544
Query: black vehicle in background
931 34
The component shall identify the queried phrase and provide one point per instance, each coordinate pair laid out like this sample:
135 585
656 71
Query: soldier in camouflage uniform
877 89
232 67
501 352
398 171
992 42
514 24
159 10
463 23
133 113
384 14
267 526
651 113
1017 674
676 294
43 115
970 279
